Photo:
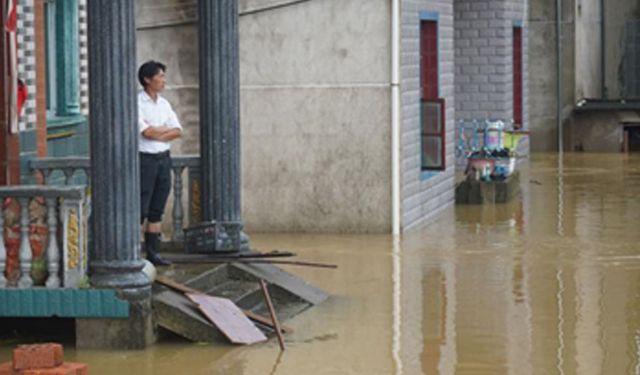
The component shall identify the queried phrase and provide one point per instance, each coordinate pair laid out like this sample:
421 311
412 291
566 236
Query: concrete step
235 290
174 312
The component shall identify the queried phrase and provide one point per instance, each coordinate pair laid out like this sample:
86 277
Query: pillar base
134 332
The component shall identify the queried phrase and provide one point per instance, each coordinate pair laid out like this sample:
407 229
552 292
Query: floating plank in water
229 319
251 315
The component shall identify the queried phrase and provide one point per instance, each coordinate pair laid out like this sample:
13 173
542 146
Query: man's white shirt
154 113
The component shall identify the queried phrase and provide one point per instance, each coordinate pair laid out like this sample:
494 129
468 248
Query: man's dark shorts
155 185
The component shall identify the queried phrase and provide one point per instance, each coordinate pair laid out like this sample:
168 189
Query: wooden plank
175 285
229 319
251 315
272 312
190 260
178 314
232 256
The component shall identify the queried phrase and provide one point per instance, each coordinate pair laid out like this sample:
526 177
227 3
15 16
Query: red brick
80 368
60 370
67 368
7 369
37 356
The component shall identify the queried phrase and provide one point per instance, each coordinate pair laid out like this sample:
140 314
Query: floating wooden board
185 289
229 319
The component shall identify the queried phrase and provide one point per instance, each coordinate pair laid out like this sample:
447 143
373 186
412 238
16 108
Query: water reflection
546 284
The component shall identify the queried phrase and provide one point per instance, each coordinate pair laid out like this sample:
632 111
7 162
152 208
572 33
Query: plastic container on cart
493 135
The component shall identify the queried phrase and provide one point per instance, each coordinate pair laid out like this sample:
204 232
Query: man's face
157 82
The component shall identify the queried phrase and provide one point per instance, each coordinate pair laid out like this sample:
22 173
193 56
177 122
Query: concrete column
220 111
115 181
115 228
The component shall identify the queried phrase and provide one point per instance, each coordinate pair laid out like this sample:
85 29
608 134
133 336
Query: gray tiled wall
484 56
484 60
422 196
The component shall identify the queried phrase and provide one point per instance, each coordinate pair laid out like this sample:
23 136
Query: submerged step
174 312
235 290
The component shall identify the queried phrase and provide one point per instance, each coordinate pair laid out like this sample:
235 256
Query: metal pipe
395 117
559 73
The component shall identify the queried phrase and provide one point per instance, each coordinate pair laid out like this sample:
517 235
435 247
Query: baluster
86 174
25 247
68 173
73 244
3 249
195 207
178 212
46 174
53 253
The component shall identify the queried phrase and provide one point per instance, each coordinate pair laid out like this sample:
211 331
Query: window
63 74
429 59
432 134
67 129
432 121
517 77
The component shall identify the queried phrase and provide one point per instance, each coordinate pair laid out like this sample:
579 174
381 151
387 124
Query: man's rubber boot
152 246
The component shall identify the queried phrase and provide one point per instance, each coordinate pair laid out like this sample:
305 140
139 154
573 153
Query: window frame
51 57
440 134
431 96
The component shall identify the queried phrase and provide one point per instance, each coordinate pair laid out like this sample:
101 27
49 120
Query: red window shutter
517 76
429 59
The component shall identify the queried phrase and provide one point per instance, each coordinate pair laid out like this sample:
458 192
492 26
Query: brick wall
425 194
484 59
518 10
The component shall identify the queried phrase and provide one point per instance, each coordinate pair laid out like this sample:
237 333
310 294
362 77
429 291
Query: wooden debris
229 319
185 289
272 312
236 255
189 260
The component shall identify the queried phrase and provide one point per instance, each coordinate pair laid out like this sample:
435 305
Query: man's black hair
150 69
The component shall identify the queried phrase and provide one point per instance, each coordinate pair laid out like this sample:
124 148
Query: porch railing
70 166
50 222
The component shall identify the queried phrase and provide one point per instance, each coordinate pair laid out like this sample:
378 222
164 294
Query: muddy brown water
546 284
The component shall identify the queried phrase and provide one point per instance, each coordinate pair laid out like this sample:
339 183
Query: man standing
158 126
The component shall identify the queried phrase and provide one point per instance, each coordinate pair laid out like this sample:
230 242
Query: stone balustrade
69 166
51 223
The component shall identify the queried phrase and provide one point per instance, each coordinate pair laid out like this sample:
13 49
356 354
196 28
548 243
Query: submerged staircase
238 282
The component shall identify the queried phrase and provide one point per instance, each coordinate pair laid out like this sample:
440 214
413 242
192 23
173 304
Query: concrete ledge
63 303
136 332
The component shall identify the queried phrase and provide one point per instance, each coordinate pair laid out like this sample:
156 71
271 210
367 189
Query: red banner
15 91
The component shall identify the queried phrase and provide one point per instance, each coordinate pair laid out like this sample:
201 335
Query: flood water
547 284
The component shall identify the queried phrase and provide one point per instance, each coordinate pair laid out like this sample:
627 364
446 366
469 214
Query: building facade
590 47
316 80
52 62
317 99
69 276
